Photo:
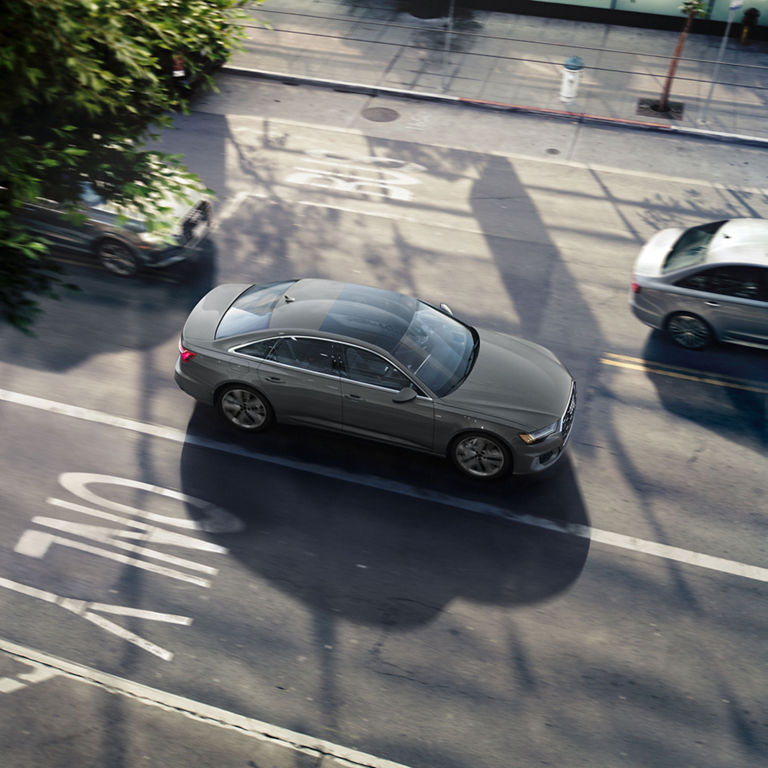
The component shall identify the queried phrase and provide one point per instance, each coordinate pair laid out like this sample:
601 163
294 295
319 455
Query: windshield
90 196
437 349
691 248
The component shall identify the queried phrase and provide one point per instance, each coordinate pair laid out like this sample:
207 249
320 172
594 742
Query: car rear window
691 247
251 310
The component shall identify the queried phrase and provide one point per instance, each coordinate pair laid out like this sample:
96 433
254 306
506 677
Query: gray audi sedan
377 364
705 283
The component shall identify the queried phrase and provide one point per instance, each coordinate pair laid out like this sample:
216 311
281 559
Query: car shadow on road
109 313
723 388
379 535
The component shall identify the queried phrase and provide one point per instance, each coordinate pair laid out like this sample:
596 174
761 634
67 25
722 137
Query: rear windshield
251 310
691 248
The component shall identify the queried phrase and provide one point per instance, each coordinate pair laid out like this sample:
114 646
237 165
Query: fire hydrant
748 23
571 77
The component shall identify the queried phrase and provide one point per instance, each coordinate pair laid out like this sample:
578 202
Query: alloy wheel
118 258
689 331
480 456
244 409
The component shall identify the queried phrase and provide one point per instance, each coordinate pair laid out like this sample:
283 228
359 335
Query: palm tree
692 9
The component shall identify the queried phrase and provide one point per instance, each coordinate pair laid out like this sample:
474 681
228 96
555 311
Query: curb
581 117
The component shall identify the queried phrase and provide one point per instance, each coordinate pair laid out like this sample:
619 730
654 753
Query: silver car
379 365
119 238
705 283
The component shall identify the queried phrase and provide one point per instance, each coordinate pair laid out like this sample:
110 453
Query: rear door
733 299
300 379
49 219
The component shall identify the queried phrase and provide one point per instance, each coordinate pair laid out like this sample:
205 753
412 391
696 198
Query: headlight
157 238
529 438
152 238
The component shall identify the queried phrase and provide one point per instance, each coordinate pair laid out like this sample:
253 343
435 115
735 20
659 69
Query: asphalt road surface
294 597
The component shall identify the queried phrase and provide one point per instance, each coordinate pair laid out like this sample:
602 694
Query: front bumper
194 229
530 459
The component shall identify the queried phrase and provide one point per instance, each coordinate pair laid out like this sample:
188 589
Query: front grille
201 212
568 416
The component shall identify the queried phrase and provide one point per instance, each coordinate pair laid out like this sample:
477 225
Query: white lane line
127 635
86 611
38 673
81 606
221 718
110 536
36 543
260 134
621 541
151 532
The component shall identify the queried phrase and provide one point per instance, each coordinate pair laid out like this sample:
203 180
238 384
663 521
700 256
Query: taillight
635 287
178 66
185 354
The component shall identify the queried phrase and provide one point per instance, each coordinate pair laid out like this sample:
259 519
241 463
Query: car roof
373 315
743 241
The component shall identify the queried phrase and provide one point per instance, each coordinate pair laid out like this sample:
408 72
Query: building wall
718 9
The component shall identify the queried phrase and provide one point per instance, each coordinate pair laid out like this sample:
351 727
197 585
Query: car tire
689 331
244 408
117 257
480 456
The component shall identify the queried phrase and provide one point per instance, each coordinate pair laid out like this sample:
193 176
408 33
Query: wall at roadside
652 14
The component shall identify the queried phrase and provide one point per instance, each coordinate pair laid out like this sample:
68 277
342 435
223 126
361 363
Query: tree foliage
85 83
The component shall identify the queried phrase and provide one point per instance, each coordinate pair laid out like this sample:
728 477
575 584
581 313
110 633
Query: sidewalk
512 61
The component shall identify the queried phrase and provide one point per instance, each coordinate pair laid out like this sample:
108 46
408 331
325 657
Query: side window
310 354
740 282
370 368
260 349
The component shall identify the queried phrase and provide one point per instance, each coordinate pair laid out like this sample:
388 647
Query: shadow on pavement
737 412
110 313
385 555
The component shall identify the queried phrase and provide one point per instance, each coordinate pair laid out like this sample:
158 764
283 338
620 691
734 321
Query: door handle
712 303
354 397
273 378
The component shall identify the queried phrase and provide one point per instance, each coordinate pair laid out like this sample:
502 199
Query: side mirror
405 395
445 308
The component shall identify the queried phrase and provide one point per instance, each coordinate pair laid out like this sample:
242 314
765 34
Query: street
608 612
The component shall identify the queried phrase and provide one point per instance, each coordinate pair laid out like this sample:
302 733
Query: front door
368 384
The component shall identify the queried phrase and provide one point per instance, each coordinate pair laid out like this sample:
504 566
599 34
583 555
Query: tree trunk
676 54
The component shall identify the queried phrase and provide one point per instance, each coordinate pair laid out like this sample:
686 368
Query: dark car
118 237
377 364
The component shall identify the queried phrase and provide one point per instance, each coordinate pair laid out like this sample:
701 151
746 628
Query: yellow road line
636 364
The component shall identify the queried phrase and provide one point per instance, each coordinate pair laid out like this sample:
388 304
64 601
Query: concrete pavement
513 62
59 714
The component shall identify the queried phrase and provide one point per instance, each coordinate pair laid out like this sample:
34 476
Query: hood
516 381
204 318
654 253
169 220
